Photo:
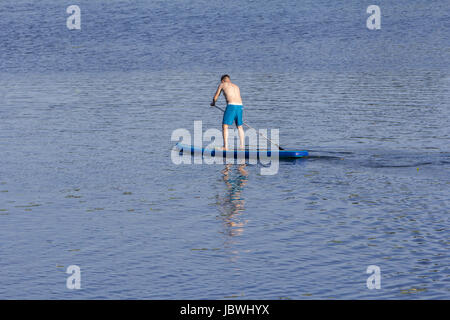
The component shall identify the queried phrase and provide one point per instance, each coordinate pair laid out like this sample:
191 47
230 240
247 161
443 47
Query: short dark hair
224 76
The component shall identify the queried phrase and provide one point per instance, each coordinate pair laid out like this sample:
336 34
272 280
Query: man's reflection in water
235 178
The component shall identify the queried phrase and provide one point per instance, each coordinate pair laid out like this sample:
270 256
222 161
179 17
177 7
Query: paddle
280 148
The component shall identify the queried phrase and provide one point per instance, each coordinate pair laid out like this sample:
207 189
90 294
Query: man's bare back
231 92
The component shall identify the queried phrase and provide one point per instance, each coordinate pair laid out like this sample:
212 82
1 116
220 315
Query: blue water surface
87 179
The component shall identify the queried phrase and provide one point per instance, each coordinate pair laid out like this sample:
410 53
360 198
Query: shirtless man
233 112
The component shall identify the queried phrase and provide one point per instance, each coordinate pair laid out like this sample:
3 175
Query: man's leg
241 137
225 136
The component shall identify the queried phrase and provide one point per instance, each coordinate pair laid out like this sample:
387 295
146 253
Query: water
86 176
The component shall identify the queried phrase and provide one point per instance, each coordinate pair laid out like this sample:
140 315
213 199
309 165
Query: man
233 112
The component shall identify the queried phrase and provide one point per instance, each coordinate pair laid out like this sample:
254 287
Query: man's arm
216 96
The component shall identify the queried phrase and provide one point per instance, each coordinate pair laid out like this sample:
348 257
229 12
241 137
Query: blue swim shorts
233 113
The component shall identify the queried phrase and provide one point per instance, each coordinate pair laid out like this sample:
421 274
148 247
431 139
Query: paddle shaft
255 130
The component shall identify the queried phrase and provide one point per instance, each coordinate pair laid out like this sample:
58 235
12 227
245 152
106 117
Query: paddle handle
255 130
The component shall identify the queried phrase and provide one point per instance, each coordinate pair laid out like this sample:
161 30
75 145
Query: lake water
86 176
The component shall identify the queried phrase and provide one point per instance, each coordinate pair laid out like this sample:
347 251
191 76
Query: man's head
225 78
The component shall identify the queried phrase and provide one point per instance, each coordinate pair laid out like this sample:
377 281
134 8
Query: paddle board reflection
232 206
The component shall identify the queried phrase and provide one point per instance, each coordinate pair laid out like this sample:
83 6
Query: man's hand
213 103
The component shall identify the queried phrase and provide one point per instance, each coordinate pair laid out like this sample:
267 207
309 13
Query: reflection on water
232 204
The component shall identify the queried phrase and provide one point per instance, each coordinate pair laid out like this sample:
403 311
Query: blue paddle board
282 154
